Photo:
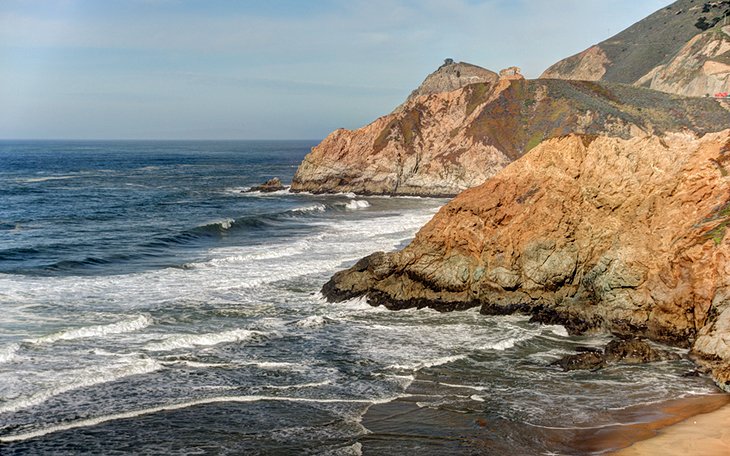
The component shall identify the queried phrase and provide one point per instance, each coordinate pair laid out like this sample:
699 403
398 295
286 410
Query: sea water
149 305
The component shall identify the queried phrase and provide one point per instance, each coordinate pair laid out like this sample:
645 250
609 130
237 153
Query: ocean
149 306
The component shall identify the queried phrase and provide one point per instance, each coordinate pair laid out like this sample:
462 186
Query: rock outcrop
682 49
626 351
595 232
700 68
449 77
272 185
443 143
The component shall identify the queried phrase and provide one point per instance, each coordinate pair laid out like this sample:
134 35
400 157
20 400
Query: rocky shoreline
594 233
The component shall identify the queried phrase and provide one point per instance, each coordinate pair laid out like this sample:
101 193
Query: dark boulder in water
271 185
582 361
636 351
628 351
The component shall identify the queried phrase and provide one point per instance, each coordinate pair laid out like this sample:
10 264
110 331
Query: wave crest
124 326
202 340
355 205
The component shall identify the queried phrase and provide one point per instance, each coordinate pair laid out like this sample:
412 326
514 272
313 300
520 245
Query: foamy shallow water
217 339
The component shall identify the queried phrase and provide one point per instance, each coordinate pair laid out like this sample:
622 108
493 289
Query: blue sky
276 69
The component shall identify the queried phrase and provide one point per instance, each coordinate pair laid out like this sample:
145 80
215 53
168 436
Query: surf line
162 408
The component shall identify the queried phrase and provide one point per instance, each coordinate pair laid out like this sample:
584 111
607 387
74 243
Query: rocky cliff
682 49
443 143
451 76
595 232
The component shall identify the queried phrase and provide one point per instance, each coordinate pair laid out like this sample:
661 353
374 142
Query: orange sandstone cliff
440 143
599 233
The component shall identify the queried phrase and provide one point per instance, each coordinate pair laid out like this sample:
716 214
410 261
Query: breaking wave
124 326
83 379
202 340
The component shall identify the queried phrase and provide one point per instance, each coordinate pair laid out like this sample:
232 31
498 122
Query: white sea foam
97 331
201 340
404 381
357 204
224 224
350 450
269 194
504 344
31 180
429 363
454 385
274 365
315 321
474 397
195 364
84 378
317 207
8 352
301 385
183 405
558 330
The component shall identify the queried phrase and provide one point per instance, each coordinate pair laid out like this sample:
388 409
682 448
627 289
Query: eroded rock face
700 68
682 49
593 232
442 144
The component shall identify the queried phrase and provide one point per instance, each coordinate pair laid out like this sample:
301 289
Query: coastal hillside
451 76
441 143
595 232
682 49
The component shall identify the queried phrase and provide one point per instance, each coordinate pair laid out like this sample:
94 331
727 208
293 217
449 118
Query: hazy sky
278 69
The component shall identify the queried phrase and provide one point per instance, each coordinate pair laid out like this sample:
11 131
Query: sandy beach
707 433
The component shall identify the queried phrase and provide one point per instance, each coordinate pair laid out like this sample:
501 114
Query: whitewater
149 305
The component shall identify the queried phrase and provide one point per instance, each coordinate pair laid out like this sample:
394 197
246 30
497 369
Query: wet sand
653 429
707 433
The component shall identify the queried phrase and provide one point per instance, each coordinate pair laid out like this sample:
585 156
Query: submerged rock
271 185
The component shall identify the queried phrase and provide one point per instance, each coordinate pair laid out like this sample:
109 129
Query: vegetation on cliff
442 144
675 50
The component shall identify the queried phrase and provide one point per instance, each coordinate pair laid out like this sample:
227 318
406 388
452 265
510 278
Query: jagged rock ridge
444 143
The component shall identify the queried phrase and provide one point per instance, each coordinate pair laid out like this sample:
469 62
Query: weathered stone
581 361
629 351
447 139
625 236
636 351
272 185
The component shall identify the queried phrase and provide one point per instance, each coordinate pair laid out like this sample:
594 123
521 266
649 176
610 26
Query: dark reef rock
628 351
271 185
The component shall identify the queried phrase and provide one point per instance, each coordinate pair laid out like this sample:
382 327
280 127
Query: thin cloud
336 63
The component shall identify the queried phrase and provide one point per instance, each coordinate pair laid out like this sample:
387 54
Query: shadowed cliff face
595 232
442 144
683 49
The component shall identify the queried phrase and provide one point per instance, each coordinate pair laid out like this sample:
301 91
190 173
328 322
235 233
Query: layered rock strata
595 232
444 143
